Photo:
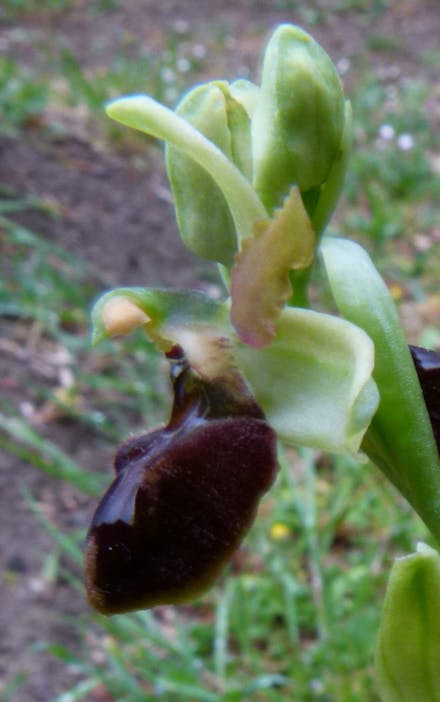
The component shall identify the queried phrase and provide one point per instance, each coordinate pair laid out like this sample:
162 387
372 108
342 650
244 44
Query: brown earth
119 218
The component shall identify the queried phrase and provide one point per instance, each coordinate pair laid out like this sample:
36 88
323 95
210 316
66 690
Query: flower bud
246 93
205 221
298 124
183 498
408 649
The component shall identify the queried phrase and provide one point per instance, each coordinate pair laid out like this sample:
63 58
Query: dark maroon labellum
183 497
427 365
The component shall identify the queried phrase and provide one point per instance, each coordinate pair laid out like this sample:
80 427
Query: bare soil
120 219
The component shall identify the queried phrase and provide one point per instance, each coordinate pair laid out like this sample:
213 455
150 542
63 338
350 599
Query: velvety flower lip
427 365
183 498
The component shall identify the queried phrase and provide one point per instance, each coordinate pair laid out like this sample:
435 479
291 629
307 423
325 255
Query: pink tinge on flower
260 284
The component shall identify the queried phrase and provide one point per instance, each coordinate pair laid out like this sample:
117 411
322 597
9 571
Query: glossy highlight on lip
183 498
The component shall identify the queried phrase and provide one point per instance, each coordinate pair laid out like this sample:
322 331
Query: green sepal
408 647
400 439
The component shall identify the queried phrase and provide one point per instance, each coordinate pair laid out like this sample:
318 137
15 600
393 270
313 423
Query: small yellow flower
396 291
279 531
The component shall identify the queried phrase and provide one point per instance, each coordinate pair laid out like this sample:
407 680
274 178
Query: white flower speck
181 26
199 51
386 132
405 142
183 65
171 94
343 65
168 75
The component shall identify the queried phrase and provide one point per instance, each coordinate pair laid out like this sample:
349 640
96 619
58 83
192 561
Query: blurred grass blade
66 543
8 692
79 691
221 632
400 438
191 692
265 682
290 593
82 88
46 456
126 677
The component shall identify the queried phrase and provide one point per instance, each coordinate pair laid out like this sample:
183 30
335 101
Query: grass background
297 613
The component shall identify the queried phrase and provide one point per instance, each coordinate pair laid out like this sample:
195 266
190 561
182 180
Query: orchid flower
255 172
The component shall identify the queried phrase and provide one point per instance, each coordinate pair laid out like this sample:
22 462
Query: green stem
299 280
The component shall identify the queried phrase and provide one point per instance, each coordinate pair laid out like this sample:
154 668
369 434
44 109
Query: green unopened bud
204 218
246 93
298 124
408 650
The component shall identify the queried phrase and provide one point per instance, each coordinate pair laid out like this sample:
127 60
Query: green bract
408 648
400 439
